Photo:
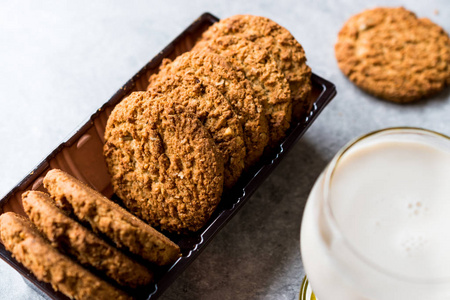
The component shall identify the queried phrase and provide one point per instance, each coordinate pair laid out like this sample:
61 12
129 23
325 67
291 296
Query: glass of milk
377 222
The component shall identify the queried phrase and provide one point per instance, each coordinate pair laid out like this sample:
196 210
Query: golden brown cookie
258 66
164 164
288 53
214 111
219 72
69 236
393 55
29 248
108 218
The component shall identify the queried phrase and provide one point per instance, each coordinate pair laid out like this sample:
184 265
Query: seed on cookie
259 66
287 51
394 55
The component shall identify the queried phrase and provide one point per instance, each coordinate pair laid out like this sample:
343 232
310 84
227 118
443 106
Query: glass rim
332 220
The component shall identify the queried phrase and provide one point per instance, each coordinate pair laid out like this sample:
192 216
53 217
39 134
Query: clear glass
337 270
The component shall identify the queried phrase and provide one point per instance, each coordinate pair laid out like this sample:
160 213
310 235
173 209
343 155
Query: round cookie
108 218
393 55
68 235
216 114
219 72
260 68
286 50
29 248
164 164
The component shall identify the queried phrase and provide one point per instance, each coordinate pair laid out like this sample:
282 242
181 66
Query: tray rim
214 225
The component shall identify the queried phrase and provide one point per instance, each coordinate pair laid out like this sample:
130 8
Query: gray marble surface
60 60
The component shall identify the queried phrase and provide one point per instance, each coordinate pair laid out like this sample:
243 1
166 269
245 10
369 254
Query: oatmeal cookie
287 51
219 72
216 114
29 248
69 236
394 55
164 164
258 65
108 218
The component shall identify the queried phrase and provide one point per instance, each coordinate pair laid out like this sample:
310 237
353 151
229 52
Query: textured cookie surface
203 100
391 53
25 243
69 236
108 218
164 164
288 53
261 69
218 71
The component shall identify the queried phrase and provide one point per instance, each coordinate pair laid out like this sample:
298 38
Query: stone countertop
61 60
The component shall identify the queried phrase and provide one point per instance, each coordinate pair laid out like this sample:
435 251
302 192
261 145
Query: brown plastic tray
81 156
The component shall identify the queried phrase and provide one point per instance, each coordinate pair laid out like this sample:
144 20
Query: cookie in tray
287 51
24 241
260 68
163 162
69 236
204 100
219 72
109 219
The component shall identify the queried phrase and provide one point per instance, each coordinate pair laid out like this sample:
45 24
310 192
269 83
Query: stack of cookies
75 236
205 118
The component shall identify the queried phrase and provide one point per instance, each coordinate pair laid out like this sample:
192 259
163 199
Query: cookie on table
219 72
287 51
164 165
205 101
29 248
394 55
261 69
69 236
108 218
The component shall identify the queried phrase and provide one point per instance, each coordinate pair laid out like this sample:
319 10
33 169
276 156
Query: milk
377 222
